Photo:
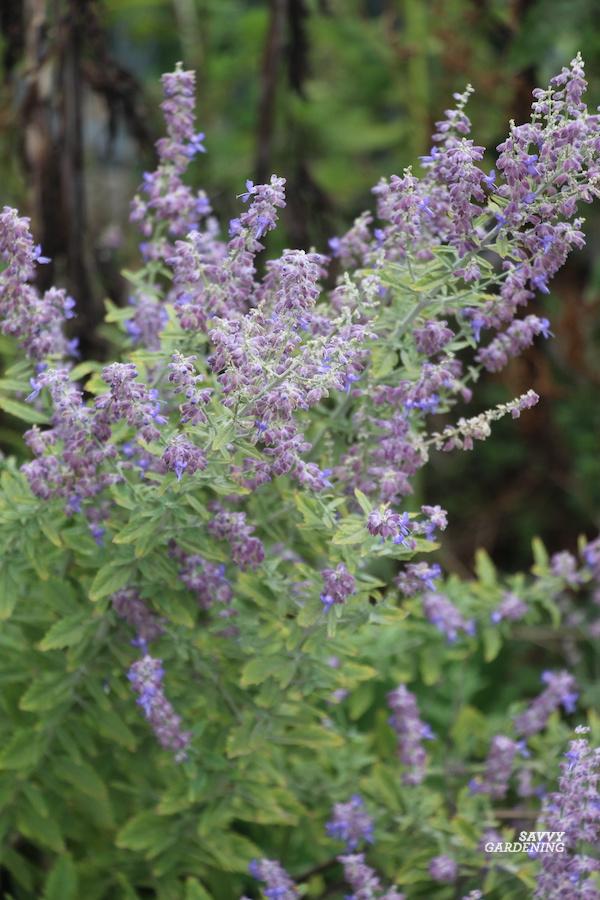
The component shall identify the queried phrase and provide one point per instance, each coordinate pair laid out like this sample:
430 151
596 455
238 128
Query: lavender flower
432 337
591 556
165 197
511 608
338 585
127 400
278 884
129 606
564 566
351 823
575 810
35 321
183 377
498 767
445 616
246 551
517 337
181 455
364 882
146 677
561 690
443 868
148 320
418 576
362 879
411 731
206 579
78 471
386 523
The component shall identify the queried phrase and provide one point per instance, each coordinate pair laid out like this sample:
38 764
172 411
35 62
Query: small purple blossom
561 690
146 677
351 823
443 868
277 883
442 613
181 455
498 767
338 585
411 731
511 608
247 551
563 565
417 577
129 606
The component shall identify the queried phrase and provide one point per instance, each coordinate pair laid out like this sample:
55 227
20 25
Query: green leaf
81 776
23 751
109 724
492 643
66 632
540 556
9 593
49 529
352 531
195 891
39 829
145 831
110 578
21 869
45 692
135 530
360 701
260 668
363 501
23 411
485 569
175 609
62 883
223 436
232 852
431 665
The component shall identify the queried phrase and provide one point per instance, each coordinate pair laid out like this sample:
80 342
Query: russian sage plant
226 659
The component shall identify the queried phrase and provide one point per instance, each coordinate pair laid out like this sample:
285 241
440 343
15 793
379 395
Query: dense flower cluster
37 322
279 423
77 471
575 810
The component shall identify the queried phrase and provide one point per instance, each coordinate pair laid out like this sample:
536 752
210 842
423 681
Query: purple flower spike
351 823
146 679
411 731
561 690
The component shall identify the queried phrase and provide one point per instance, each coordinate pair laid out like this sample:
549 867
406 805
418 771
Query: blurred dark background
331 94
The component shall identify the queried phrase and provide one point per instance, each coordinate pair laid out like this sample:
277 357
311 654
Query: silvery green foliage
214 584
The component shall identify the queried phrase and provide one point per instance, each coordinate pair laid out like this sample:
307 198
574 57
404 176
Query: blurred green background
331 94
